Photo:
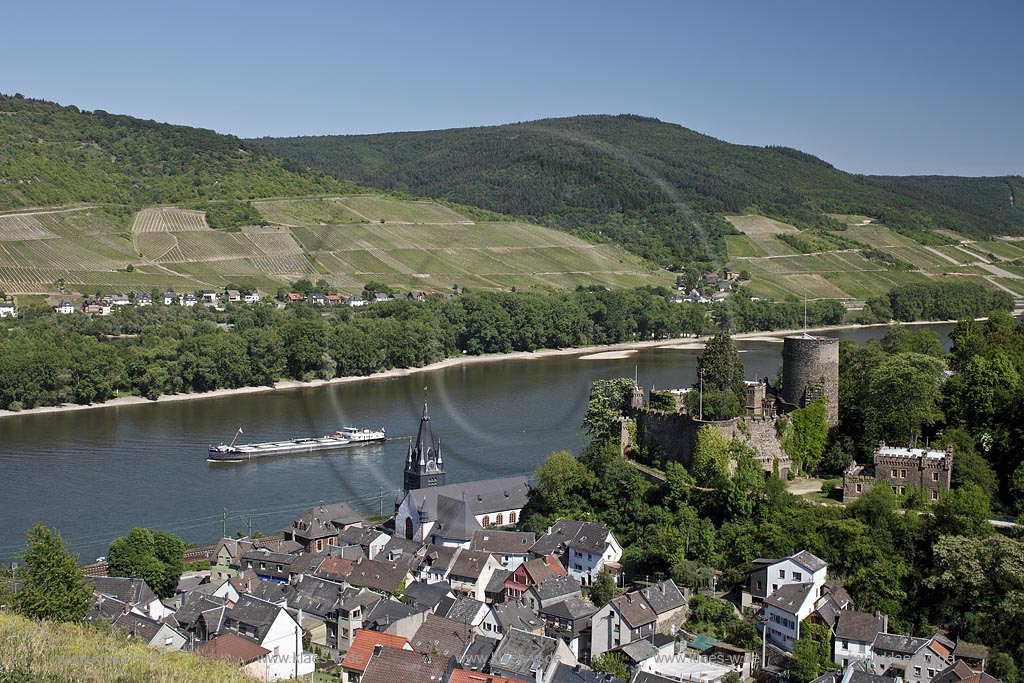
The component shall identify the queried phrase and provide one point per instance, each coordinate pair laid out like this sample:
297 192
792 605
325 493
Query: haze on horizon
872 87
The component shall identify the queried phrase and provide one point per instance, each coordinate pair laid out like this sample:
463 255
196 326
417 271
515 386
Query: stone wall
673 436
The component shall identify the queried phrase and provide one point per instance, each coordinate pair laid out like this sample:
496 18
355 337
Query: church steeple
423 465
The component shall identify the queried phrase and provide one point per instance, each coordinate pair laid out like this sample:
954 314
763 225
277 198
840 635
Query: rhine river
95 474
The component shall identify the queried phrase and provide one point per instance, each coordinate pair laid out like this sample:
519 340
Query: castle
810 371
930 471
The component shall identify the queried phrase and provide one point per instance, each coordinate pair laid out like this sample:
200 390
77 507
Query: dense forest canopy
657 188
52 155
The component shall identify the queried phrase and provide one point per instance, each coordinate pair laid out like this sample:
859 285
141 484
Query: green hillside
347 241
1002 196
657 188
52 156
95 202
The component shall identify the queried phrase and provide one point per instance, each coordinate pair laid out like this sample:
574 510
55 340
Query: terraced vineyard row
23 227
169 220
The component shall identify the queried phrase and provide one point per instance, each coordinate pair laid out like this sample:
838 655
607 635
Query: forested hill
627 177
1002 196
53 155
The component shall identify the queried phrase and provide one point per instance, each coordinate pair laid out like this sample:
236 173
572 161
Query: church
431 511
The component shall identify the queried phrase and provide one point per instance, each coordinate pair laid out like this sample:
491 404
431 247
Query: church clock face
431 465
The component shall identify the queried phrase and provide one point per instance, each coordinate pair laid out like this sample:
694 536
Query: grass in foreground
56 653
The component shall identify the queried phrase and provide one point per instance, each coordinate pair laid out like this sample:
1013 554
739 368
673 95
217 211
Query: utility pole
224 524
700 415
381 513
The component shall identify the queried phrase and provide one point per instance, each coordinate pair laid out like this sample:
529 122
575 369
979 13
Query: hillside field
347 240
778 270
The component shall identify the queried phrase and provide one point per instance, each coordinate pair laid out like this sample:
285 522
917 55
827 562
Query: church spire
423 466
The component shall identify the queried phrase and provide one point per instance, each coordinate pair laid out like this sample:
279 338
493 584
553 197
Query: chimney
376 650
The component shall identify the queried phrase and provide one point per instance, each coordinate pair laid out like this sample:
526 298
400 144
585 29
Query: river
95 474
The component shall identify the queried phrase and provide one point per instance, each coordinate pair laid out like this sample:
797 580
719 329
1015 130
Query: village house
785 609
143 299
269 565
556 589
65 307
316 299
667 601
317 601
470 572
440 637
293 297
626 618
768 575
502 617
961 672
855 632
188 300
570 621
914 660
584 548
512 548
362 649
118 300
531 573
209 296
353 609
249 657
925 469
96 307
155 634
530 657
380 576
391 665
372 541
272 628
435 564
232 295
251 296
168 298
113 595
355 301
8 309
320 527
466 611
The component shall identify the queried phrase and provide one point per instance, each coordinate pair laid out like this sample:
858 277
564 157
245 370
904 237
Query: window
846 645
935 495
894 474
511 518
319 544
935 476
860 488
931 673
168 641
903 489
903 474
758 585
499 519
487 520
797 576
263 565
917 671
782 573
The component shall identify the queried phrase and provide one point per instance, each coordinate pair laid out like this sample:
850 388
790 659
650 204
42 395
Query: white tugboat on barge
349 436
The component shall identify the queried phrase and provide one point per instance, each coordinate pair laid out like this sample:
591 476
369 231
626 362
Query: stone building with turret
901 468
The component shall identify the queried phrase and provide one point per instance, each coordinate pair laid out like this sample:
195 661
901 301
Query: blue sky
895 87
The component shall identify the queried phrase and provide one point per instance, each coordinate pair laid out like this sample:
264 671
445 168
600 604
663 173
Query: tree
964 512
609 398
157 557
50 584
806 441
722 369
603 589
811 652
563 484
710 456
904 394
611 663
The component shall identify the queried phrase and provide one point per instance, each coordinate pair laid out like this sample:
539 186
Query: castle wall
674 436
810 370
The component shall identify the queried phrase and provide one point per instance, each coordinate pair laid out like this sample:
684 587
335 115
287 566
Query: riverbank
609 351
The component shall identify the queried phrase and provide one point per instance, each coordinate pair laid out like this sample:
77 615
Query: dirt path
41 213
941 255
999 272
799 487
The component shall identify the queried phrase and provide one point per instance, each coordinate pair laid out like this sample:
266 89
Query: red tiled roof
229 647
363 645
464 676
336 565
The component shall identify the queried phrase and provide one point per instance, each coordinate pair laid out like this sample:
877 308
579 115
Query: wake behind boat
245 452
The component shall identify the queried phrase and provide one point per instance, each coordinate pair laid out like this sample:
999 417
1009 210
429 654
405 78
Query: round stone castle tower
810 370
